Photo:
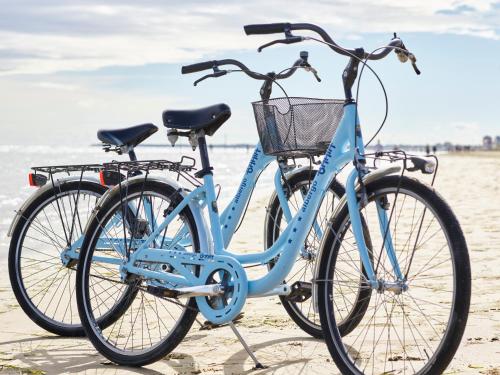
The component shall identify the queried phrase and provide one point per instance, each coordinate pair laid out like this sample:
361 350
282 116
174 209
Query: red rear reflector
37 180
110 178
31 179
101 178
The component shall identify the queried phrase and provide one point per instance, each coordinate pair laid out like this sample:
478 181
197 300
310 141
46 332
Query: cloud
57 86
65 114
55 35
459 9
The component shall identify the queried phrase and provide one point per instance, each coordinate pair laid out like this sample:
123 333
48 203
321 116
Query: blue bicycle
47 231
391 238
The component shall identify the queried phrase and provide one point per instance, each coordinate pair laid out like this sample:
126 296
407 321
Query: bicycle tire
438 361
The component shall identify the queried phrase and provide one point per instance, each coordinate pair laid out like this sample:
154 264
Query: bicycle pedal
301 292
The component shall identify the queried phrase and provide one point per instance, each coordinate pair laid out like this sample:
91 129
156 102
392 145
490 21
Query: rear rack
186 164
55 169
128 168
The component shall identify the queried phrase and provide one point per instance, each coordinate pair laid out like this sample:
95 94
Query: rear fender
289 175
48 186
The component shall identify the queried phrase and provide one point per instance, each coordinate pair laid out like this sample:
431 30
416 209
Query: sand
471 185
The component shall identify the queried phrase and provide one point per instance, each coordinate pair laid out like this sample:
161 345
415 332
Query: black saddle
209 118
129 137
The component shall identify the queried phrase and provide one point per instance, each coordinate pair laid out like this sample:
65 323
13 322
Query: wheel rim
47 285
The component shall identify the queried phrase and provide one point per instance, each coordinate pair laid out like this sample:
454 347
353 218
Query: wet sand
470 184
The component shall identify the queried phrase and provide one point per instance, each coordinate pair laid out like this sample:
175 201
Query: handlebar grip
198 67
266 28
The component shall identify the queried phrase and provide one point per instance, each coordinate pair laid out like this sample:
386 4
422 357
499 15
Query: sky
68 68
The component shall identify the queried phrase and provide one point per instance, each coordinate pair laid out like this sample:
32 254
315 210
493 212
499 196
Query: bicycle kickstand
258 365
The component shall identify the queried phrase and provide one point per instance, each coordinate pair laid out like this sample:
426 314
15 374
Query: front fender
206 243
370 177
57 182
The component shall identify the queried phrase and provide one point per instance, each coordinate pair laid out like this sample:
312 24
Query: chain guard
235 293
225 308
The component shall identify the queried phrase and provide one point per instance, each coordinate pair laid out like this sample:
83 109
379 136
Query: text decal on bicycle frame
322 170
253 160
312 190
250 169
326 159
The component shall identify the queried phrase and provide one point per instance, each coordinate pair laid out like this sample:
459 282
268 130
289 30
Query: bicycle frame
346 146
229 219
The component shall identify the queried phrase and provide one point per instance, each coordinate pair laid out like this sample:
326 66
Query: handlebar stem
351 73
267 87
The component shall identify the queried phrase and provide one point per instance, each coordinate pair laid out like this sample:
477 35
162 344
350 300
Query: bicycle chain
146 291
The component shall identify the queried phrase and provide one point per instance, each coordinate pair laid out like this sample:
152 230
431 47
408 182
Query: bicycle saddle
209 118
129 137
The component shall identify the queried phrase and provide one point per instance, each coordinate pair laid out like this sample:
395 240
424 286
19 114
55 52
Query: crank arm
201 290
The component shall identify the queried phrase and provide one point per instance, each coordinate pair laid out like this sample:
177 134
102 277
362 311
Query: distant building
487 142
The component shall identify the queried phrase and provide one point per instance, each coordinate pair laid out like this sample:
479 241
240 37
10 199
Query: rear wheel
412 325
303 311
42 284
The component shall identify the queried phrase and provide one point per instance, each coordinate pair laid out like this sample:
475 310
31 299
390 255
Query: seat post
211 196
131 154
206 168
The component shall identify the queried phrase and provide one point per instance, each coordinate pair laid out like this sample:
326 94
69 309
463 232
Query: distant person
434 149
427 149
378 147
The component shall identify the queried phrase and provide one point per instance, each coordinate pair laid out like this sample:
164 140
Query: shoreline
491 154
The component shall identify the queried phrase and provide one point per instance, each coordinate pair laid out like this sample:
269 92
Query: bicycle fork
353 204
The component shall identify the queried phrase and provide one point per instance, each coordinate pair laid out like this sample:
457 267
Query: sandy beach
470 184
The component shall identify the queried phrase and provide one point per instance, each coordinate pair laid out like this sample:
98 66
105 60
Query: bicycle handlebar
276 28
198 67
396 44
214 64
266 28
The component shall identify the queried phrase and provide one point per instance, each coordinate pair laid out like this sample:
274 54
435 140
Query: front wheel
416 327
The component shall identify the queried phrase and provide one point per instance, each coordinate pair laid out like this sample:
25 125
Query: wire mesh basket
293 126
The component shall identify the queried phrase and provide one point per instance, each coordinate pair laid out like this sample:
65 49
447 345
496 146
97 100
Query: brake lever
304 56
309 68
404 55
413 61
288 40
218 73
